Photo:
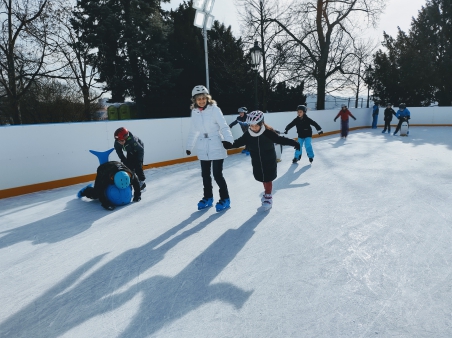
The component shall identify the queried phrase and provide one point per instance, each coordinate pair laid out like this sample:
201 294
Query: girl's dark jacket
105 176
261 146
388 114
303 126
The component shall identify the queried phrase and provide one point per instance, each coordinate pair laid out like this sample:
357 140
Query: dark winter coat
242 121
262 152
303 125
105 176
134 148
388 114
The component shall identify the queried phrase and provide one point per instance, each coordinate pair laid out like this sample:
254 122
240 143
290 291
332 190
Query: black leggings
217 168
136 165
387 126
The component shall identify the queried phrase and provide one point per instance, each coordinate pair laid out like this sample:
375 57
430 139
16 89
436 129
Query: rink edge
28 189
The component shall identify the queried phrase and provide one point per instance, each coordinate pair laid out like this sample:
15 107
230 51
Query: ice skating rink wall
46 156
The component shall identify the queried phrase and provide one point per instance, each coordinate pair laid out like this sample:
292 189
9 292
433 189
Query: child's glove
320 132
227 145
188 152
286 131
334 120
137 197
297 147
354 118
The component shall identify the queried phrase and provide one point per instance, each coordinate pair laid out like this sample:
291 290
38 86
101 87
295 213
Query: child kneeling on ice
260 141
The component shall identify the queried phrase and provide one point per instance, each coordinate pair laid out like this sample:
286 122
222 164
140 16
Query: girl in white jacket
208 132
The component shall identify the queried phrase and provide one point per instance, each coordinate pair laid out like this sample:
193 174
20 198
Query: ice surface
358 244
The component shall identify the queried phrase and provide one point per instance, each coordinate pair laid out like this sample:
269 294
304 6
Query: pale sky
397 13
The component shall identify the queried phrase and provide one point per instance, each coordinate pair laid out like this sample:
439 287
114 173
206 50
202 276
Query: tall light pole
256 54
204 20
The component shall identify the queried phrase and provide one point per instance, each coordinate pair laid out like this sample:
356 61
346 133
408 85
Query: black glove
227 145
137 197
286 131
354 118
297 147
188 152
321 132
108 207
334 120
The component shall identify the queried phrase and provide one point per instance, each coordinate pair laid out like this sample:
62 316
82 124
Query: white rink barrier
45 156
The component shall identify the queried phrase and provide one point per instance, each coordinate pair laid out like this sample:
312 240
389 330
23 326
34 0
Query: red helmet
121 134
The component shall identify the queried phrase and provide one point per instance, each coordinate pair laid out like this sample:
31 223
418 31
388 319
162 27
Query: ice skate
205 203
267 201
223 204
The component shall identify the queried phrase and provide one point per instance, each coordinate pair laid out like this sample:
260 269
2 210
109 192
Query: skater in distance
344 113
208 131
241 120
403 114
304 130
388 113
260 139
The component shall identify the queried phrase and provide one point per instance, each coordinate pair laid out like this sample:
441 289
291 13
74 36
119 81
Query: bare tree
324 31
80 60
25 52
255 16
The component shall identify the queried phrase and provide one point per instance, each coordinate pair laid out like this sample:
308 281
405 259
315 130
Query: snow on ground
357 245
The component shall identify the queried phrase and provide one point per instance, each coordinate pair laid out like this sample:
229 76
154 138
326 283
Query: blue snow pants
307 144
374 121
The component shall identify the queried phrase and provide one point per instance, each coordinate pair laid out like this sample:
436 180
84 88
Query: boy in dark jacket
260 139
134 147
241 120
105 177
304 130
388 117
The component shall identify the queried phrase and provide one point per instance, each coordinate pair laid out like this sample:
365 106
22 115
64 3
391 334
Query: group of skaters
212 137
403 114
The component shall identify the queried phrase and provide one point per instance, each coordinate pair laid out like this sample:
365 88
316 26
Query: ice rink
358 244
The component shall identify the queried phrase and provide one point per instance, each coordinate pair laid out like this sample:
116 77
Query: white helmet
343 106
255 117
199 90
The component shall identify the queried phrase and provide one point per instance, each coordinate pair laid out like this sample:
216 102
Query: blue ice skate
205 203
247 153
223 204
80 193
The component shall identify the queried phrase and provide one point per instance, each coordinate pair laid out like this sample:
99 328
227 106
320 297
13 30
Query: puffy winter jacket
388 114
405 113
208 130
133 146
261 146
303 126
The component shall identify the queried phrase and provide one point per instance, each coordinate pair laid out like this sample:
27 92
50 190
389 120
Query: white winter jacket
208 130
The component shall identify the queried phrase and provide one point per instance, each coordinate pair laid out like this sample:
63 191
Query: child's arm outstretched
281 139
289 126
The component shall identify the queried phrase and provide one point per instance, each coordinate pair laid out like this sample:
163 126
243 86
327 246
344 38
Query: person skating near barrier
208 131
260 139
403 114
241 120
113 185
388 113
125 141
344 113
375 111
304 126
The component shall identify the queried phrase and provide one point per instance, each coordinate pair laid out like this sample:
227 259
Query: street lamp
368 81
204 20
256 54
